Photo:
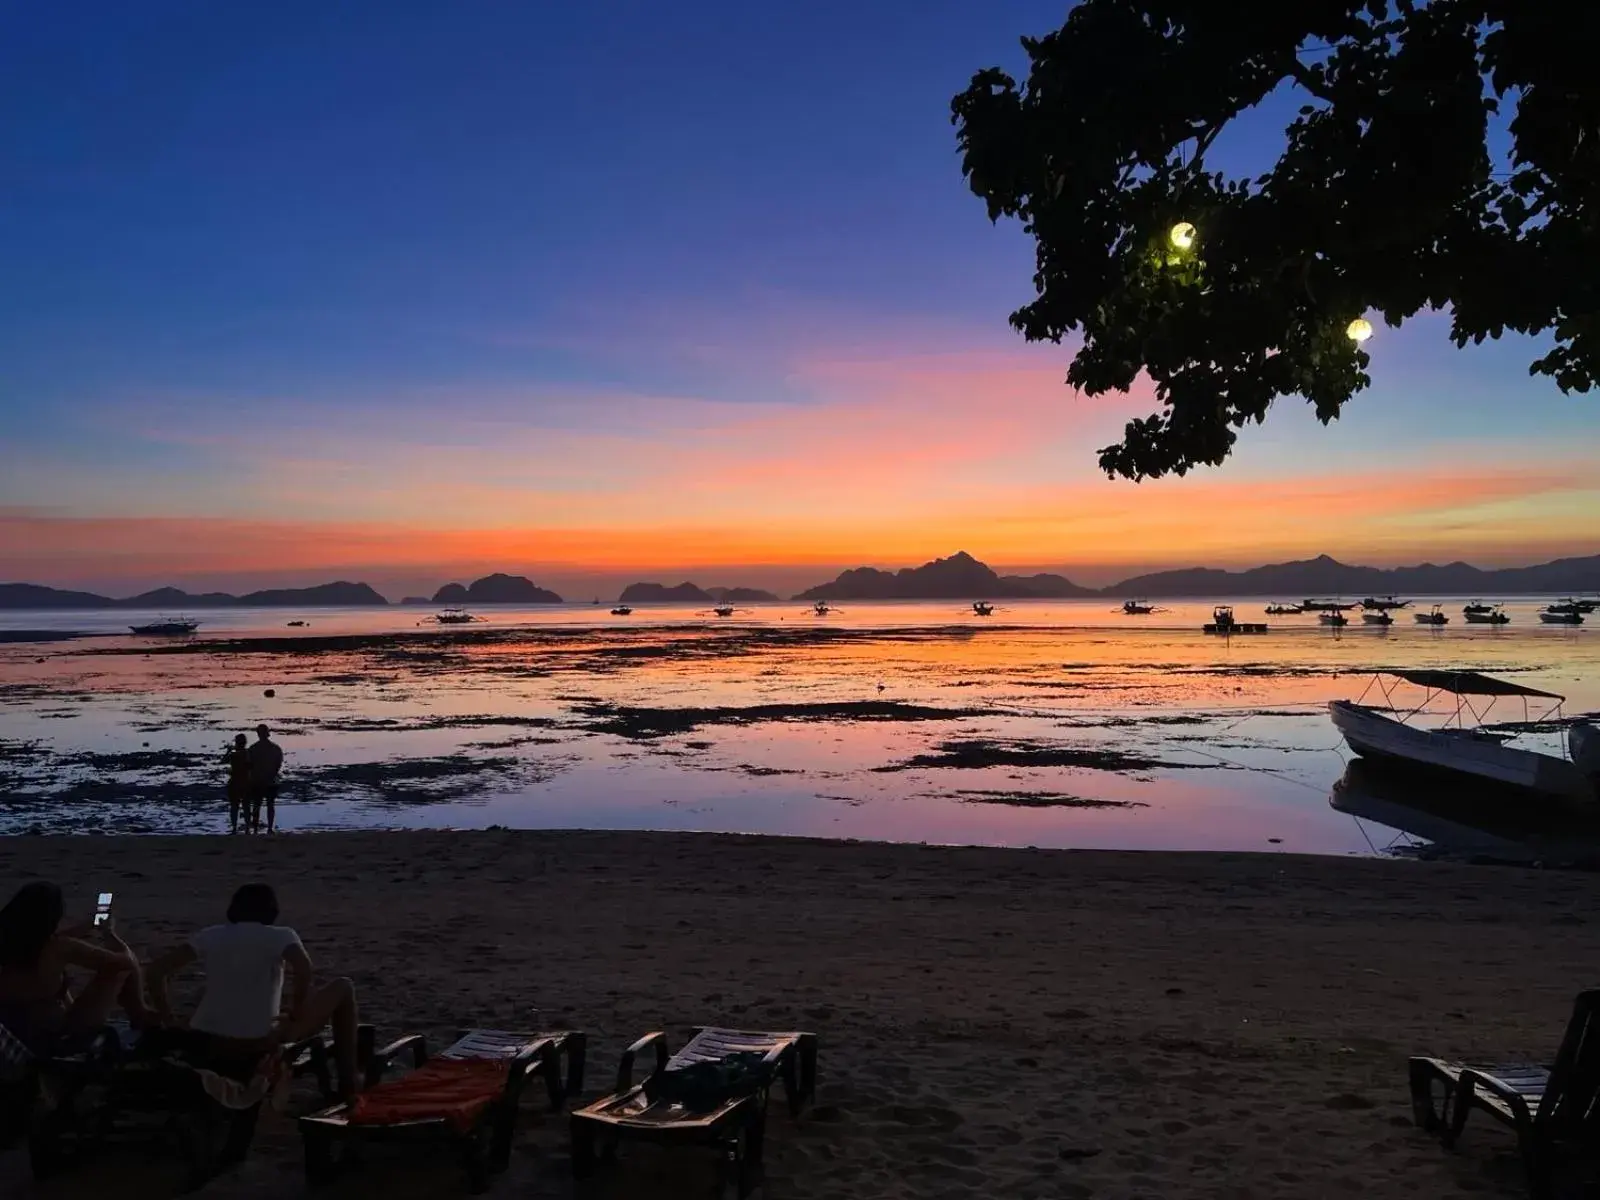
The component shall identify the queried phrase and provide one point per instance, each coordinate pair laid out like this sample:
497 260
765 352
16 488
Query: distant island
1324 576
959 577
690 593
496 589
339 595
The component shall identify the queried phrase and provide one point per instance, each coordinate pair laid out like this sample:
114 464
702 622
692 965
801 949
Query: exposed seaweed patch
1044 800
977 754
637 722
412 724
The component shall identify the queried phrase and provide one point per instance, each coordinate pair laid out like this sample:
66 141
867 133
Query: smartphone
102 909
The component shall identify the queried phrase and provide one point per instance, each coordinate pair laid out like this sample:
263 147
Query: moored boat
1484 614
1380 617
1223 622
1337 619
1383 603
1460 749
167 627
1137 608
1434 616
622 610
1283 610
455 616
1557 615
982 608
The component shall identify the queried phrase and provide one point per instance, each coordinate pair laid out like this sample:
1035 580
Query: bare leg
332 1003
272 810
233 812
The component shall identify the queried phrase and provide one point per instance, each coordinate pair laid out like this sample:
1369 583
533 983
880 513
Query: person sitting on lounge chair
244 963
37 1003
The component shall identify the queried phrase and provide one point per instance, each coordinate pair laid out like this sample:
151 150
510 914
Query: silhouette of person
237 760
266 760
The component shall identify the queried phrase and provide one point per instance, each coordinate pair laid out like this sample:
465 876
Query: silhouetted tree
1385 200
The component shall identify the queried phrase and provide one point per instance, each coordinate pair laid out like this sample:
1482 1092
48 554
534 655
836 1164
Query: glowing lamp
1358 330
1182 235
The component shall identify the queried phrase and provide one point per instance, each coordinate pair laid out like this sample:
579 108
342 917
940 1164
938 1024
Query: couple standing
253 780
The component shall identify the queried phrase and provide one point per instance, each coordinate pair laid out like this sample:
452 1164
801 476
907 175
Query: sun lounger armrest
383 1058
625 1067
1471 1080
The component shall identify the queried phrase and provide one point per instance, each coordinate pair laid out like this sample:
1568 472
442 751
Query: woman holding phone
37 1003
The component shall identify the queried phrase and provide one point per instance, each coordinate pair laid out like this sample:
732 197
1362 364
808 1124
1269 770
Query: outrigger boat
1461 748
1477 606
1377 617
621 610
723 610
1434 616
1137 608
1332 617
1484 614
821 608
1384 603
1284 610
1325 606
167 627
982 608
455 616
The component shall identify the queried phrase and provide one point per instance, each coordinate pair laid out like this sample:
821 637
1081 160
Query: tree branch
1305 79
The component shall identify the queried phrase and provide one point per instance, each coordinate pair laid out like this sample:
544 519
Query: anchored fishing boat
1333 617
982 608
1462 747
1484 614
454 616
622 610
1383 603
1558 614
1283 610
1137 608
167 627
1434 616
1222 621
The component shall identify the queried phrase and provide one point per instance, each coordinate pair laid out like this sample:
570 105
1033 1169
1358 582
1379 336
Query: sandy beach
993 1022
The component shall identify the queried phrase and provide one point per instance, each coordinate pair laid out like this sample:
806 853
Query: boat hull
1373 735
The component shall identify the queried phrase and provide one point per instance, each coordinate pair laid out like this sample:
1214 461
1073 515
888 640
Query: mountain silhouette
959 577
648 593
1325 576
498 588
341 594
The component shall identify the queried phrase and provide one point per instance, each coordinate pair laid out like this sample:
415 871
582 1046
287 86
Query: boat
1557 615
1477 606
1325 606
723 610
1464 750
1332 617
455 616
1587 604
1222 622
298 624
1283 610
821 608
1384 603
1484 614
167 627
982 608
1137 608
621 610
1434 616
1380 617
1569 606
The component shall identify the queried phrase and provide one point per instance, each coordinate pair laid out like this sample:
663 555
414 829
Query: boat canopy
1470 683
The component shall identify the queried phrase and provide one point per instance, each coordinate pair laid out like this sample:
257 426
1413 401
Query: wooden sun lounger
486 1148
736 1127
1549 1109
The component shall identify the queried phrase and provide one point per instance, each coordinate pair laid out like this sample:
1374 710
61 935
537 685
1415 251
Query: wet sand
993 1022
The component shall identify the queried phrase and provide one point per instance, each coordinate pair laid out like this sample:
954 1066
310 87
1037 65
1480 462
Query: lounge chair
482 1137
1554 1111
166 1083
734 1125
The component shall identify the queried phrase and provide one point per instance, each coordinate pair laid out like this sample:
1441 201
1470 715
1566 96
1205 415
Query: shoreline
999 1021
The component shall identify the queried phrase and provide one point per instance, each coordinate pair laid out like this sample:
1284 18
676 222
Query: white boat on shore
1467 750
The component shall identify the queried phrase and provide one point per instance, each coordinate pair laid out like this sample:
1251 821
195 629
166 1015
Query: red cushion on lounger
454 1090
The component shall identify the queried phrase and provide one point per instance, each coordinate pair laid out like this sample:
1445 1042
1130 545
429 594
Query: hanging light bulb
1182 235
1358 330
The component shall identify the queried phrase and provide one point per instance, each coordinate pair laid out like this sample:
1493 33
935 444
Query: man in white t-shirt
244 963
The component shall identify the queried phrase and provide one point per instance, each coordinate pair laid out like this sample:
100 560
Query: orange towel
456 1090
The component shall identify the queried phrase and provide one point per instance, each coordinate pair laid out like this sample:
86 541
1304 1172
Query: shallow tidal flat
1001 734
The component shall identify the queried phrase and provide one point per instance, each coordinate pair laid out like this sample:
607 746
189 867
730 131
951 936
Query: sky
409 292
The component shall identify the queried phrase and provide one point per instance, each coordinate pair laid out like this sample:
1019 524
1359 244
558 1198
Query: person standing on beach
266 760
237 759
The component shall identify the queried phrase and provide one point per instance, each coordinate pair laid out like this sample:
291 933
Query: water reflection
1465 819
